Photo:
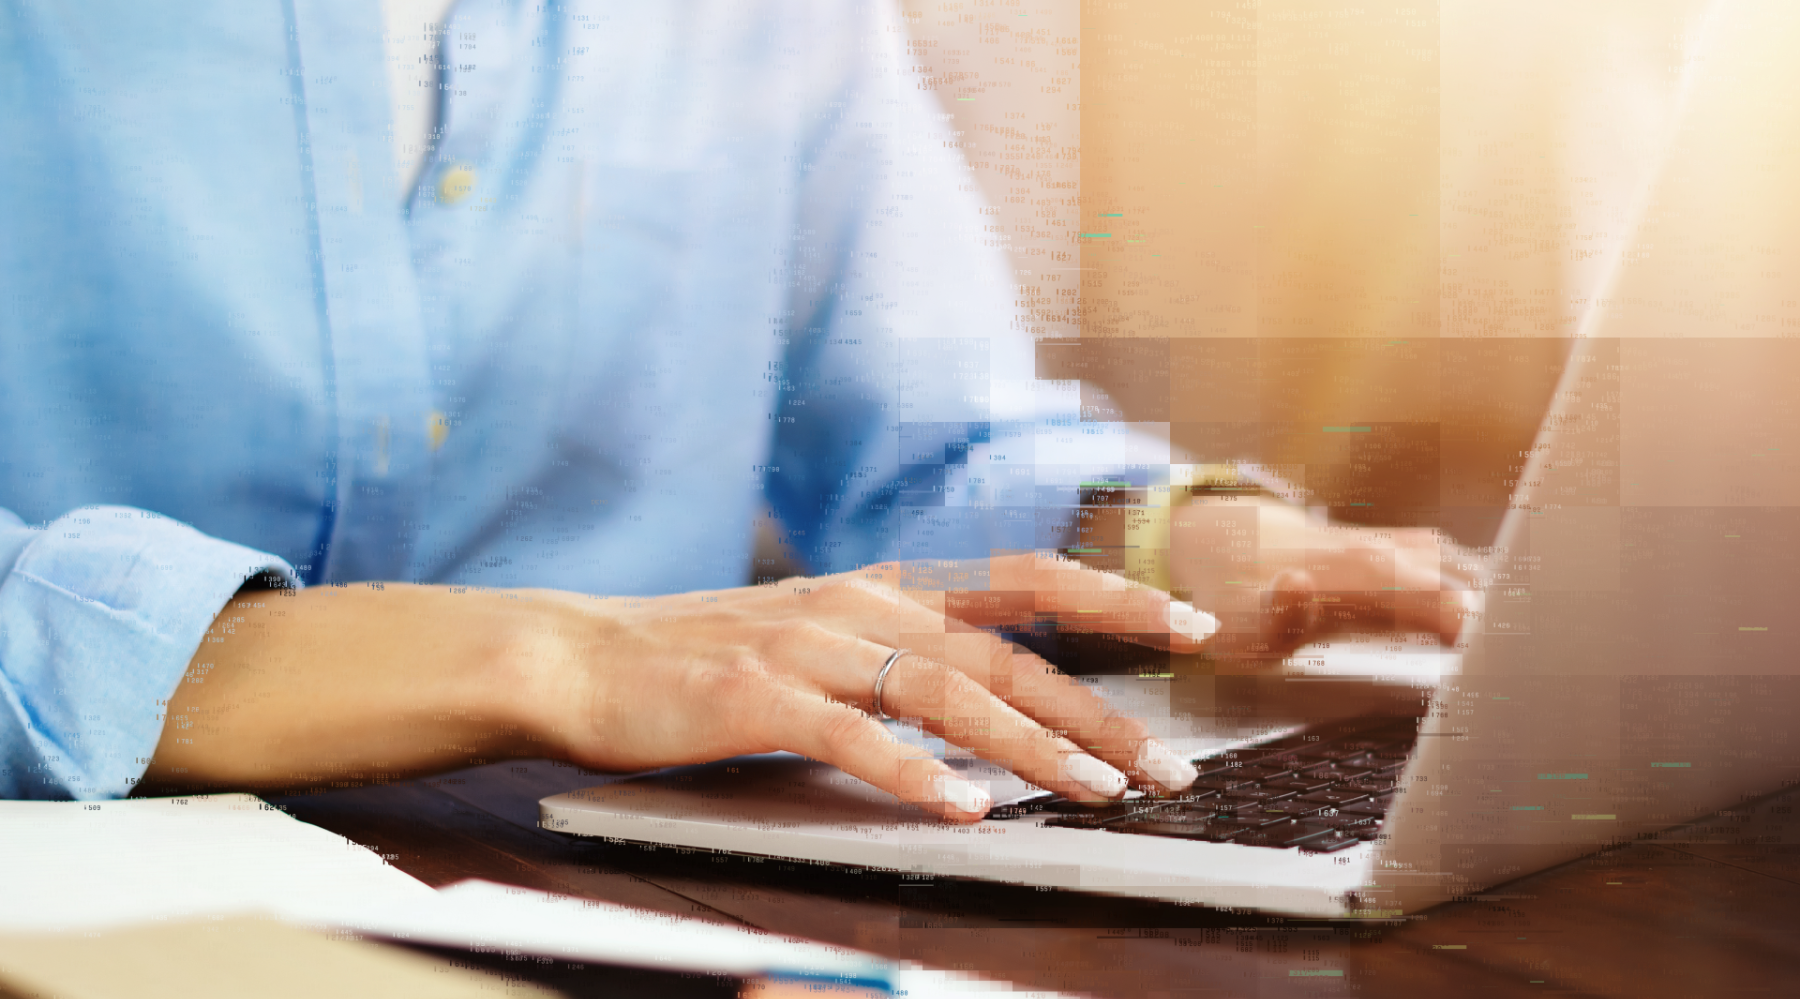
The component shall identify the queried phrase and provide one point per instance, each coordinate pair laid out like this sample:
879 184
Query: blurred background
1349 242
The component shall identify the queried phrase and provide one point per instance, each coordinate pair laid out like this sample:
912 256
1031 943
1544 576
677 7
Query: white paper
481 914
70 866
84 865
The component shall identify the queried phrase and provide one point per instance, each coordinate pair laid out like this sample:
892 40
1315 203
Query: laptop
1636 666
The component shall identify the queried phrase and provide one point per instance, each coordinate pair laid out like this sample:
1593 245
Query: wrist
370 681
534 673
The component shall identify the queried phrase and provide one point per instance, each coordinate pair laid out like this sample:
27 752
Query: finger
813 725
1431 545
1059 703
844 670
1029 588
1024 682
1022 590
948 702
1427 562
1420 597
1442 612
1426 599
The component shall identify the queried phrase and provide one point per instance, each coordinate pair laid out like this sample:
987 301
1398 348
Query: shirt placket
373 343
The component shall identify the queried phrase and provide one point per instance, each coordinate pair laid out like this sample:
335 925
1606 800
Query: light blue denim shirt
696 256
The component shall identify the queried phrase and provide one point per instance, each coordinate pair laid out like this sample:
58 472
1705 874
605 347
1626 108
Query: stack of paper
74 866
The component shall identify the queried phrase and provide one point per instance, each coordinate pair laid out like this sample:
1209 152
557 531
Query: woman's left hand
1277 578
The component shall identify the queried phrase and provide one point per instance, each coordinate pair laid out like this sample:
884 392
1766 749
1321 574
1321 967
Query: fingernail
960 794
1161 764
1186 619
1093 775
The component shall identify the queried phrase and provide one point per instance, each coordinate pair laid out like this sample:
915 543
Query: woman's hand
1278 578
359 681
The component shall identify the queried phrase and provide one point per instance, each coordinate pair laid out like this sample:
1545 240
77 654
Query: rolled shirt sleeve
101 611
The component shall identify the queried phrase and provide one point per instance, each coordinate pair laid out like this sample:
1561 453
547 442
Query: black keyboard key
1336 774
1215 829
1075 822
1229 829
1018 808
1257 794
1269 813
1189 813
1233 806
1235 801
1074 815
1361 753
1364 745
1175 830
1371 786
1353 825
1210 765
1375 806
1083 821
1301 783
1312 831
1330 752
1275 836
1337 819
1259 773
1217 783
1332 797
1309 828
1329 844
1195 794
1063 806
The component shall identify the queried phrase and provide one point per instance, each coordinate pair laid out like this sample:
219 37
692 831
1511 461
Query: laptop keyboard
1320 790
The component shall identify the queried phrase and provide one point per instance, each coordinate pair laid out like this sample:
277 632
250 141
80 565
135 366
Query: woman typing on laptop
359 681
496 431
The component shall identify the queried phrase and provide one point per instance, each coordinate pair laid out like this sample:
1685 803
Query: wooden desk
1709 910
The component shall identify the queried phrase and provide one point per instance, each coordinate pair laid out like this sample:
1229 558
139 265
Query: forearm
352 683
100 612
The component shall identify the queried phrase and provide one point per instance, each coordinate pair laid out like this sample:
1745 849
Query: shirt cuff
100 613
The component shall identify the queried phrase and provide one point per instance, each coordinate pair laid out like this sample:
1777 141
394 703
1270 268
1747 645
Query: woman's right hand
792 666
367 680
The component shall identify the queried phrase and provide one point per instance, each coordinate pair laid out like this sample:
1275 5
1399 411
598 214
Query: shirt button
456 184
437 428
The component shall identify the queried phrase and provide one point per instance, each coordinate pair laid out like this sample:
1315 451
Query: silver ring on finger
881 680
